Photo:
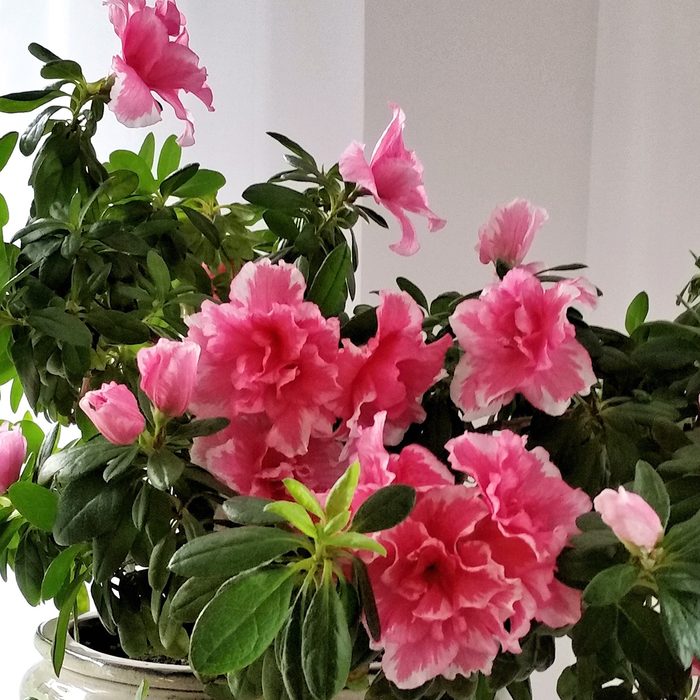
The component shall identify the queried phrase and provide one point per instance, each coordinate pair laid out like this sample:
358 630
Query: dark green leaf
326 648
62 70
43 54
233 551
413 291
121 464
290 657
164 469
7 145
36 503
277 197
177 179
110 550
192 597
611 585
29 570
680 613
159 273
250 510
384 508
162 553
199 428
272 683
373 216
169 159
369 605
118 326
27 101
293 147
328 289
61 325
59 571
205 183
203 225
241 621
73 462
520 690
35 131
58 648
650 486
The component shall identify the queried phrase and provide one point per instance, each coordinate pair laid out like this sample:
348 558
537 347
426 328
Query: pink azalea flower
268 351
13 450
533 514
240 458
115 412
392 371
155 58
394 175
516 338
630 517
414 466
443 601
168 373
508 234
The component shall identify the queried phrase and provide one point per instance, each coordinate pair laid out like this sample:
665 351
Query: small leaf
250 510
148 149
385 508
328 289
177 179
7 146
637 312
169 159
193 596
355 540
241 621
341 494
303 496
405 285
205 183
650 486
159 273
369 604
60 325
294 147
295 514
59 571
164 469
43 54
36 503
611 585
277 197
142 690
60 69
203 225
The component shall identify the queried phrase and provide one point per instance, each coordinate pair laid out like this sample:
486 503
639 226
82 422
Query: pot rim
83 660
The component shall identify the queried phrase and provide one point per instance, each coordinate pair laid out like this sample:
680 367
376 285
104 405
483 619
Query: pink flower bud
630 517
168 374
13 450
115 412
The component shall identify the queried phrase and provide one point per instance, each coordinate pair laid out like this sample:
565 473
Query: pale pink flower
13 450
240 458
392 371
414 466
516 339
394 175
443 601
268 351
508 234
533 514
168 373
630 517
155 58
115 412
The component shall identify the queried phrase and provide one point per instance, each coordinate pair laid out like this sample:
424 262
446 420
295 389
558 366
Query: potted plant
272 496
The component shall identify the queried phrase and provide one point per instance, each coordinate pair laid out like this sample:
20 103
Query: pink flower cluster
155 58
271 363
472 566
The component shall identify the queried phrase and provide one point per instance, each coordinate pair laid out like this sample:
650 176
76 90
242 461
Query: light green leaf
295 515
36 503
7 146
355 540
169 159
341 494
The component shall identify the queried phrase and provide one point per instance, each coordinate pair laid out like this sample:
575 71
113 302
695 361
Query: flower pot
93 675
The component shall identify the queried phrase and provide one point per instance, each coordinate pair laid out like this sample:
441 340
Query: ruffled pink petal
408 245
130 98
171 97
390 144
261 286
354 167
562 607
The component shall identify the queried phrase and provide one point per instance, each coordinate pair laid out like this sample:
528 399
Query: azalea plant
410 499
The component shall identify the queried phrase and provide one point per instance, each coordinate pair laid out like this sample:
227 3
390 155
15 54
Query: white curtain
590 109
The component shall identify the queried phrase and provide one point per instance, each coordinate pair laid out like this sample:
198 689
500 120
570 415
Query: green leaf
158 573
341 494
193 596
142 690
59 571
405 285
7 146
288 644
35 131
366 594
680 614
4 214
60 325
58 648
328 289
126 160
303 496
159 273
326 647
121 464
203 225
43 54
118 326
385 508
277 197
233 551
294 147
295 515
611 585
177 179
27 101
110 550
37 504
148 150
272 683
169 159
164 469
355 540
29 570
73 462
650 486
241 621
62 70
88 507
205 183
198 428
520 690
249 510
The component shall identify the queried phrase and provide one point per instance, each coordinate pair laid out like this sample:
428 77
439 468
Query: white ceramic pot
91 675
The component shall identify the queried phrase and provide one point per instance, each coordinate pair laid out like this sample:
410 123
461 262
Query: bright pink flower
392 371
533 515
155 58
508 234
240 458
115 412
630 517
168 373
394 176
443 601
414 466
13 450
268 351
516 338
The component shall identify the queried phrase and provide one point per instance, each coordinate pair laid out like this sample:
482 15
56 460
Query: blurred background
588 108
